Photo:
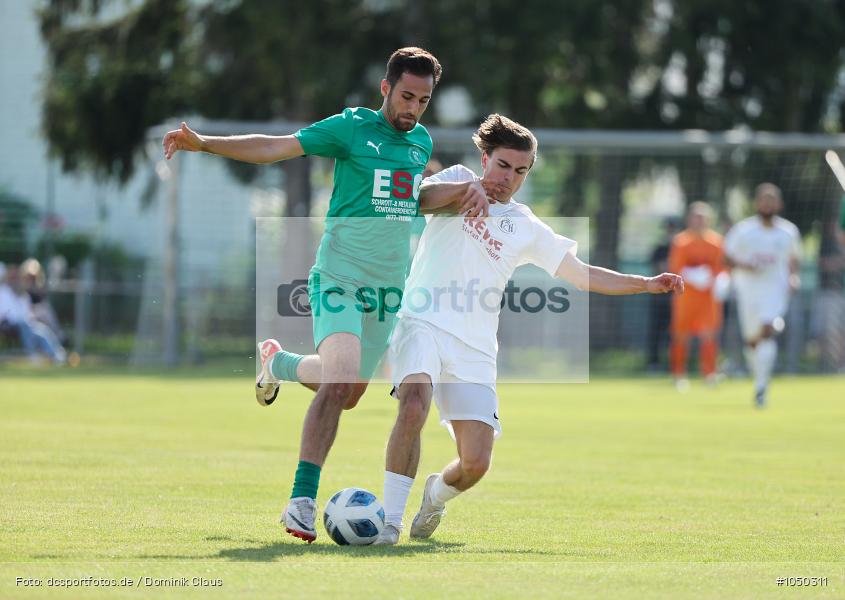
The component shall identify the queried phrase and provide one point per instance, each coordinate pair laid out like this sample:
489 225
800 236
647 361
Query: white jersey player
764 251
448 348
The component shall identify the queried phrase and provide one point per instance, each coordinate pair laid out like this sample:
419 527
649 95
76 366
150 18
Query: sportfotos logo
293 300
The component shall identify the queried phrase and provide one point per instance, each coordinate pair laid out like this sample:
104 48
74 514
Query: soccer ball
354 516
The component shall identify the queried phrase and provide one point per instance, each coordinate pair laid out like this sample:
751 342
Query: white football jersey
463 264
769 249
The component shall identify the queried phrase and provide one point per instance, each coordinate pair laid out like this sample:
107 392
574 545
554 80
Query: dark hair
497 131
415 61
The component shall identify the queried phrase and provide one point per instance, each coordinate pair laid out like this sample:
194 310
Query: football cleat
428 518
267 386
298 518
388 536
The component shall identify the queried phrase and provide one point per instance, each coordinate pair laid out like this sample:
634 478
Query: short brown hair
413 60
497 131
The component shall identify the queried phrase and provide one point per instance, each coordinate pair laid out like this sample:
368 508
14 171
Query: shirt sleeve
548 249
453 174
677 259
331 137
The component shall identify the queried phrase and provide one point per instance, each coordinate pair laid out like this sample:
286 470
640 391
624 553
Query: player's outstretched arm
605 281
468 198
259 149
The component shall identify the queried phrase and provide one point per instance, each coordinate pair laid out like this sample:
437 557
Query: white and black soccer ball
354 516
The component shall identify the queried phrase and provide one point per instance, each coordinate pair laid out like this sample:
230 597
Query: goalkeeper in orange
696 254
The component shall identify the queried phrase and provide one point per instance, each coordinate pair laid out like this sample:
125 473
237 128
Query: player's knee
475 466
413 407
337 393
354 397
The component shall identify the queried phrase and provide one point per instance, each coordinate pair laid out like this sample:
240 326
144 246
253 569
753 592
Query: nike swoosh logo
300 523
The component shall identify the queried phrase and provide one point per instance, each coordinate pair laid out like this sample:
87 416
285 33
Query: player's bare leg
475 452
403 452
340 355
308 372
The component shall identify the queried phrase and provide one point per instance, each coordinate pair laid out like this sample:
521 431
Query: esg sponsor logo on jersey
398 184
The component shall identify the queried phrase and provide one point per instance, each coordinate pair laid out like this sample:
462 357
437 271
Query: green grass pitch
617 489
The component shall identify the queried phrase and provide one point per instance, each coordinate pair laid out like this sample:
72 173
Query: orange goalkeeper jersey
699 259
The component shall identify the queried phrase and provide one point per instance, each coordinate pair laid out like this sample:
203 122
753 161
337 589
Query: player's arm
795 262
254 148
468 197
606 281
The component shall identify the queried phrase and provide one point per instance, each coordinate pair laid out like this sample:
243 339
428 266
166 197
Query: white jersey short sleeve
462 265
548 248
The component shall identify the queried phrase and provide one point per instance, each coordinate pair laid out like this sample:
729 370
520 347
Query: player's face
507 167
406 101
697 221
768 205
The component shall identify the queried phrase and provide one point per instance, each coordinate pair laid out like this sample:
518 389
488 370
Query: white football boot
428 518
267 386
298 518
389 536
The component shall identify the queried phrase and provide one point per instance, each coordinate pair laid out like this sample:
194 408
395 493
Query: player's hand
475 202
664 283
495 191
183 138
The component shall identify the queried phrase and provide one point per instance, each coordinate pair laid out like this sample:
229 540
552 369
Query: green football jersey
377 176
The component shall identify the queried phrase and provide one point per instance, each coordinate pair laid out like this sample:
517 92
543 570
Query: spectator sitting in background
16 317
32 275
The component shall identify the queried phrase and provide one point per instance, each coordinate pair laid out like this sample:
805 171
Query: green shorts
369 314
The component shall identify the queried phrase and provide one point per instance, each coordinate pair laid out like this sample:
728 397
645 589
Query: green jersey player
379 160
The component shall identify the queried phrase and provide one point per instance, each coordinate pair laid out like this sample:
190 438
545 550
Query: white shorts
759 307
463 378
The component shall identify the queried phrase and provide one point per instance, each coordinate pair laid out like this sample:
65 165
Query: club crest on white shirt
507 225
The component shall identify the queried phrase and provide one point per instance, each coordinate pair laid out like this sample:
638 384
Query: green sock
284 366
306 481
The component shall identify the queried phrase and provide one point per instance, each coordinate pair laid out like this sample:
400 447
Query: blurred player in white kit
764 251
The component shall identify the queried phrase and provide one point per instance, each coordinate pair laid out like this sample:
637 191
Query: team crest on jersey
416 155
507 226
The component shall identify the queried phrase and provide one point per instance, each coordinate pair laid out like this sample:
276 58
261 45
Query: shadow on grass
286 549
283 549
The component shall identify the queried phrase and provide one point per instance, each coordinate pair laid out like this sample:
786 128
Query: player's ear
385 88
484 159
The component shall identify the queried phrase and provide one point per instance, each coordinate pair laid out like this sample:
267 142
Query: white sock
441 492
765 355
749 360
396 490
